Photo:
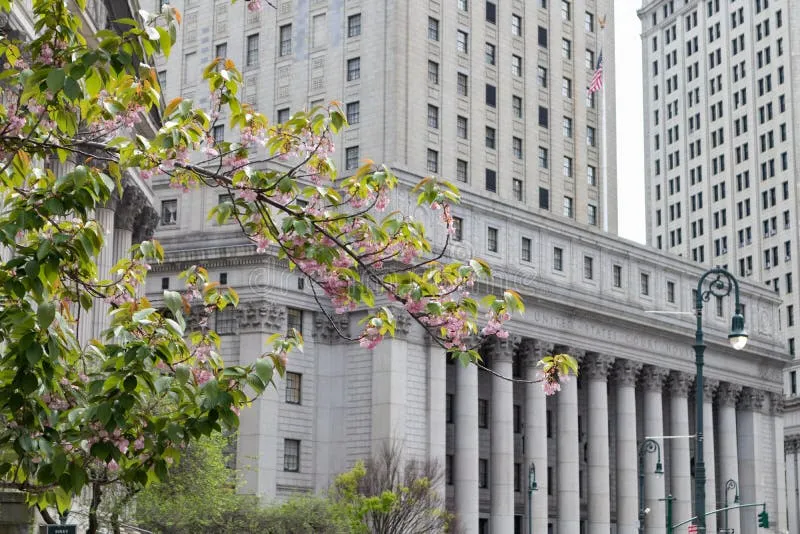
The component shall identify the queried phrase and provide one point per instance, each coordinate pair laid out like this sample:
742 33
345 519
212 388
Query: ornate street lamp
721 284
730 485
531 488
648 446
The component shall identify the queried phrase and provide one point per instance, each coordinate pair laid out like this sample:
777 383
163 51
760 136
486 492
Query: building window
516 106
483 473
542 37
285 33
458 228
517 190
517 481
462 127
543 157
433 29
591 214
218 133
516 25
491 12
558 259
543 117
491 138
566 88
223 279
544 198
448 469
591 138
433 116
351 158
566 127
491 95
353 69
516 147
353 112
566 10
793 382
483 413
291 455
516 65
462 172
591 174
433 160
448 410
162 80
433 72
491 180
463 5
293 387
566 49
251 59
644 283
491 56
354 25
567 167
617 270
294 320
462 42
541 76
169 212
671 292
568 207
463 84
165 283
283 115
525 249
588 267
491 239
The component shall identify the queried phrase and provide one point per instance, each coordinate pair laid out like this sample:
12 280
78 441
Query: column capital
776 402
534 350
728 394
145 224
652 378
326 331
710 388
402 322
791 444
132 203
596 366
262 316
502 350
680 383
626 372
752 399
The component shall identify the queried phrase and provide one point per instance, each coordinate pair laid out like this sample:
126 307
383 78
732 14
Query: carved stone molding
502 350
327 332
596 366
145 225
132 203
262 316
752 399
776 403
791 444
403 322
626 372
728 394
710 387
680 383
652 378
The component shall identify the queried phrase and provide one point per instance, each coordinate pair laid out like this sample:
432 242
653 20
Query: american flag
597 78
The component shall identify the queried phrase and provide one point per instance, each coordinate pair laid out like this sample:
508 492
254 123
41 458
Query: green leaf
173 301
264 369
45 314
55 79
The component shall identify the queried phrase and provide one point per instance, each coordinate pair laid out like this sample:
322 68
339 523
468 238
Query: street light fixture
721 284
730 485
532 486
649 445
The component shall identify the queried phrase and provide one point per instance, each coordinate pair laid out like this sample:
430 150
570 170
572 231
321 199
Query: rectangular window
433 72
462 127
516 25
568 207
294 320
462 42
542 37
221 50
462 172
591 174
566 10
483 473
491 95
433 117
644 283
671 292
285 33
543 158
483 413
283 115
293 387
516 65
491 138
516 106
354 25
433 161
291 455
490 54
353 112
517 482
491 12
491 239
458 228
463 84
169 212
491 180
617 270
516 188
525 250
567 167
541 76
558 259
591 214
588 267
566 88
251 59
463 5
544 198
351 158
516 147
353 69
566 127
566 49
543 116
433 29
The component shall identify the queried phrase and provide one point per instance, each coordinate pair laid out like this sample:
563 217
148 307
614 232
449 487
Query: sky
630 129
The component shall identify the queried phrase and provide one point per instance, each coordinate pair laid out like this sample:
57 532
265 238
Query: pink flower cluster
453 327
201 375
371 337
551 380
495 325
254 5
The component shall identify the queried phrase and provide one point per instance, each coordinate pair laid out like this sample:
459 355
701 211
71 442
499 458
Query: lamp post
647 446
720 285
531 488
730 485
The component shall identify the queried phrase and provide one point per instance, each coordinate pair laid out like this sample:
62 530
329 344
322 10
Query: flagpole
603 152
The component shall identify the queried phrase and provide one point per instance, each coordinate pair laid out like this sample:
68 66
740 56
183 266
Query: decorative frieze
262 316
331 330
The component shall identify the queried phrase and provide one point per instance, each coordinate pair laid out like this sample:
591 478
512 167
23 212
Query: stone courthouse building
491 95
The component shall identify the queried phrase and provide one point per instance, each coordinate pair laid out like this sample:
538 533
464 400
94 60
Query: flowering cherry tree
119 408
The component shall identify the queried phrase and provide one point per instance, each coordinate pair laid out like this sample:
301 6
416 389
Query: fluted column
652 379
679 464
501 352
727 447
536 431
568 471
791 450
595 368
751 402
776 404
465 461
709 446
625 376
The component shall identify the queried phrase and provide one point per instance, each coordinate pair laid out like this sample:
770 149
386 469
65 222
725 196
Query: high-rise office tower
491 95
721 154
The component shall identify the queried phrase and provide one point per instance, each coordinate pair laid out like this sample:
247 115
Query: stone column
536 431
595 369
791 449
748 421
568 470
389 381
437 409
501 354
776 402
680 457
727 447
465 460
709 389
105 261
652 379
258 440
625 376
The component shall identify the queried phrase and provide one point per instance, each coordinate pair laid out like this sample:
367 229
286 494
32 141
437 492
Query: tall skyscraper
491 95
721 154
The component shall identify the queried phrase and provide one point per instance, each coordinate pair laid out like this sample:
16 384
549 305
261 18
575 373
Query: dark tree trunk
97 495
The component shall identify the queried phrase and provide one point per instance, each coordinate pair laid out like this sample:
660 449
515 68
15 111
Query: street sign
692 529
58 529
